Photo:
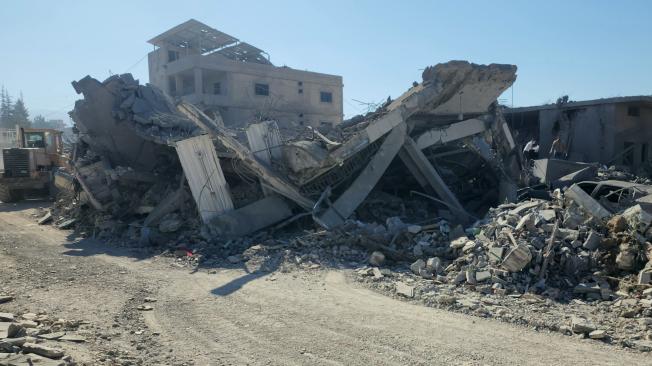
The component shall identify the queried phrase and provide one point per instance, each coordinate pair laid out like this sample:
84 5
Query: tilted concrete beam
455 131
349 201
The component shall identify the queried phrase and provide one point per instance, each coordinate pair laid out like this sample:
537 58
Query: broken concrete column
586 202
251 218
205 177
349 201
420 166
265 143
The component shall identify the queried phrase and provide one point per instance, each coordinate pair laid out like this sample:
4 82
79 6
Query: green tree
6 109
20 115
39 122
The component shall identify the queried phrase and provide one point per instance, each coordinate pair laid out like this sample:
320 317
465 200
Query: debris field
417 199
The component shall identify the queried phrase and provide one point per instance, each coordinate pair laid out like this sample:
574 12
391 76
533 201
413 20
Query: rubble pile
571 255
436 166
141 161
34 338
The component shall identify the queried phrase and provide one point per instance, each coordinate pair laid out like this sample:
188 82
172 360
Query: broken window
326 97
217 88
173 56
300 91
633 111
172 85
261 89
628 156
300 83
644 152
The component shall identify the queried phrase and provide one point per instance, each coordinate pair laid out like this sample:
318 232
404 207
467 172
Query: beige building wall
294 96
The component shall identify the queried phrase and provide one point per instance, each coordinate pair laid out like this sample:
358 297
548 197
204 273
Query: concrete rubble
420 195
140 158
35 339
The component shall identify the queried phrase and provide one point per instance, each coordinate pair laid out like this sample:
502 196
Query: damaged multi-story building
444 138
608 131
219 73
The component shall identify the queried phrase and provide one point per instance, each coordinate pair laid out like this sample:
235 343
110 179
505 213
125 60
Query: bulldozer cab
43 138
34 139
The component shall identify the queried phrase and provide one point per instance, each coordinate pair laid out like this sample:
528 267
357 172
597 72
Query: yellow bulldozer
29 165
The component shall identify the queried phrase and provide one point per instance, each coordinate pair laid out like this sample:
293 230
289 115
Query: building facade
217 72
609 131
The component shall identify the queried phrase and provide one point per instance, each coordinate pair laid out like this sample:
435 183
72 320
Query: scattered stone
149 299
643 345
418 267
28 324
45 219
517 259
7 317
646 292
51 336
547 215
581 325
645 276
482 276
66 224
42 350
592 241
75 338
434 265
598 334
29 316
4 329
496 254
404 290
377 273
144 308
459 242
5 298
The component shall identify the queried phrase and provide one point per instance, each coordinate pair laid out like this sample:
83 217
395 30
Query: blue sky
586 49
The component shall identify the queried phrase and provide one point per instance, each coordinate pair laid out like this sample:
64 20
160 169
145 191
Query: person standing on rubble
558 149
531 150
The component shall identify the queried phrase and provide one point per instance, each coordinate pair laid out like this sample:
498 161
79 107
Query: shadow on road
237 283
269 266
86 247
265 261
25 205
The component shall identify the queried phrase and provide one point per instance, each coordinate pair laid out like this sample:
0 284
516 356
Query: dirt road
233 317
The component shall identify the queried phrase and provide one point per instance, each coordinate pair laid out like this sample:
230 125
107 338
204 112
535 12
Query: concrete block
496 254
418 267
586 202
434 265
593 240
482 276
517 258
404 290
645 276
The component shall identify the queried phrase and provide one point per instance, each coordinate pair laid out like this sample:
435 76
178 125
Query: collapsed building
607 131
138 152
